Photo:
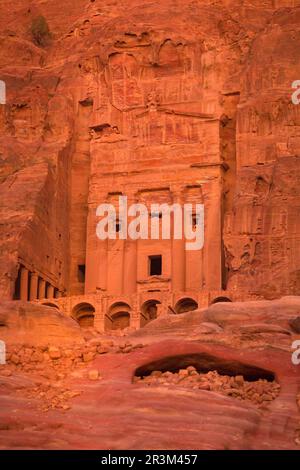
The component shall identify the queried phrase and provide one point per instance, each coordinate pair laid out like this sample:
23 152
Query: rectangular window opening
81 272
155 265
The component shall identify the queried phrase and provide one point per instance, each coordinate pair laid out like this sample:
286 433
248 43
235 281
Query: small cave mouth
204 363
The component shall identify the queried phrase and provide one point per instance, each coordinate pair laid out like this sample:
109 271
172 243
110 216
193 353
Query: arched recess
118 316
149 311
185 305
220 299
84 314
50 304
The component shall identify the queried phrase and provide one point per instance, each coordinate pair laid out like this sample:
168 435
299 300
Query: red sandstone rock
54 353
23 322
88 356
219 411
176 102
93 374
165 102
260 392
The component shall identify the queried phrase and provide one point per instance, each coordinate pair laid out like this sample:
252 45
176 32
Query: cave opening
204 363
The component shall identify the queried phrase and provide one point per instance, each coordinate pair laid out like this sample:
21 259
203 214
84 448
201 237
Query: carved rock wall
262 232
130 85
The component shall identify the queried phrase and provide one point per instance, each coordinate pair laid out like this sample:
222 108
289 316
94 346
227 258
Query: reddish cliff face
177 100
262 230
81 87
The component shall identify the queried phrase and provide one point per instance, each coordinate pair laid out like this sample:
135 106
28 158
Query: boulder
93 374
29 323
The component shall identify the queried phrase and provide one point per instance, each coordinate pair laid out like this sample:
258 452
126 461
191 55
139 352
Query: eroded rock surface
23 322
216 390
131 85
260 392
176 99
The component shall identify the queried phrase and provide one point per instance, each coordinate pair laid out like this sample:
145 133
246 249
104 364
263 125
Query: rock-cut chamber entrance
118 317
84 314
205 372
204 362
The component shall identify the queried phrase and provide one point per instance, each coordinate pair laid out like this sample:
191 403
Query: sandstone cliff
80 88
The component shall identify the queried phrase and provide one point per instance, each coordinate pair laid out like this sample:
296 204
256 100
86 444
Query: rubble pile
260 392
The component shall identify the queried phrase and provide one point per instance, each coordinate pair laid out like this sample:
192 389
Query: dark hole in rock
205 363
295 324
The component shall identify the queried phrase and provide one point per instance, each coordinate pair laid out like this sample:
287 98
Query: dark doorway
17 292
81 272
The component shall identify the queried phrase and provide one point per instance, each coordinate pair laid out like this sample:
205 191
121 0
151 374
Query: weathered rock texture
170 101
119 89
229 385
22 322
260 391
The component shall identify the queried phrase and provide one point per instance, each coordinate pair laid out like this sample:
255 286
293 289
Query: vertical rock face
262 231
117 89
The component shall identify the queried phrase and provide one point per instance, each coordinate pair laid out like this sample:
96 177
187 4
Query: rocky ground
220 378
53 365
259 392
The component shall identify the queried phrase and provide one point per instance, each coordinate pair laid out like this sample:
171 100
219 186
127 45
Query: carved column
24 284
178 248
130 258
115 257
194 258
102 252
96 254
102 264
50 291
42 288
99 316
33 291
135 318
213 235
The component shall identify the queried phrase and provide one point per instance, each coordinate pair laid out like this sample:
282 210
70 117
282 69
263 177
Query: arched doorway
84 314
50 304
149 311
118 317
220 299
185 305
